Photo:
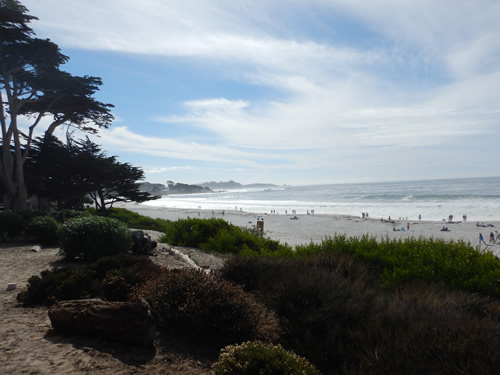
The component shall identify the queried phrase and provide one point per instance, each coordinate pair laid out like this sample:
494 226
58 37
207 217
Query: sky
296 92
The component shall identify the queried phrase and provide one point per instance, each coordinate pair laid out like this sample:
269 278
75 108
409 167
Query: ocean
478 198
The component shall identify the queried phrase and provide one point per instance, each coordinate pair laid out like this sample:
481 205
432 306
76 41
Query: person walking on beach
492 237
481 239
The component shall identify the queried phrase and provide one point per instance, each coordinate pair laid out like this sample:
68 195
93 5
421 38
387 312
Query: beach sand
307 228
28 345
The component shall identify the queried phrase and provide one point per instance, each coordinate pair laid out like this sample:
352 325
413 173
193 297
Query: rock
36 248
142 243
129 322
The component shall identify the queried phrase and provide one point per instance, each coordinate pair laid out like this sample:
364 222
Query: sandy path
28 345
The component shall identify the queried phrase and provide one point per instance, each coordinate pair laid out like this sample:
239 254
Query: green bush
257 358
94 237
453 264
236 240
193 232
340 317
110 278
136 221
218 236
59 284
64 215
204 308
11 225
29 214
43 229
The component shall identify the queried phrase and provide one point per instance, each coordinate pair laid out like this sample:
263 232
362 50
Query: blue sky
290 92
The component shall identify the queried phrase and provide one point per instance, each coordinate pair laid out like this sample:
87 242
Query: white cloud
428 76
121 138
156 170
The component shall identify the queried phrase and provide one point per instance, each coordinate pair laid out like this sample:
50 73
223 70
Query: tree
32 87
52 175
82 169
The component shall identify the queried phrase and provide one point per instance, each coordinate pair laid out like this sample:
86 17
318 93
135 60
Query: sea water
478 198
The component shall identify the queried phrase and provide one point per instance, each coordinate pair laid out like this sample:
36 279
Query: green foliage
64 215
30 76
236 240
30 214
453 264
257 358
136 221
93 237
341 318
69 173
203 308
218 236
43 229
110 278
193 232
11 224
59 284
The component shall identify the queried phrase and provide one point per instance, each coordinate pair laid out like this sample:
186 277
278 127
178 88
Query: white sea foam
479 199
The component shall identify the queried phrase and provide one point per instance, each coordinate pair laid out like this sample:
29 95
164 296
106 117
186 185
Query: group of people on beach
494 238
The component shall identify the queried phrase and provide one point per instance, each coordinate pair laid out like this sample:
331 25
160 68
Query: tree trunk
12 168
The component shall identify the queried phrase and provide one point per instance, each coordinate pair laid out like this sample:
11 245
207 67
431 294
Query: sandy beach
307 228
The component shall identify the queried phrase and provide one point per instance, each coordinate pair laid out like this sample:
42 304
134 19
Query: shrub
253 358
453 264
136 221
64 215
204 308
29 214
43 229
236 240
93 237
11 224
59 284
193 232
110 278
338 314
218 236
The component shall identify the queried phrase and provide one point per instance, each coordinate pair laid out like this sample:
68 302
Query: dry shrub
428 329
206 309
336 314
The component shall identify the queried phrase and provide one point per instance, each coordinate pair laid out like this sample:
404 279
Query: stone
141 242
128 322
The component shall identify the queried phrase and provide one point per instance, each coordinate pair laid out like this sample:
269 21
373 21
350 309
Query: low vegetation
338 315
205 309
110 278
218 236
136 221
347 305
452 264
93 237
43 229
259 358
11 224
